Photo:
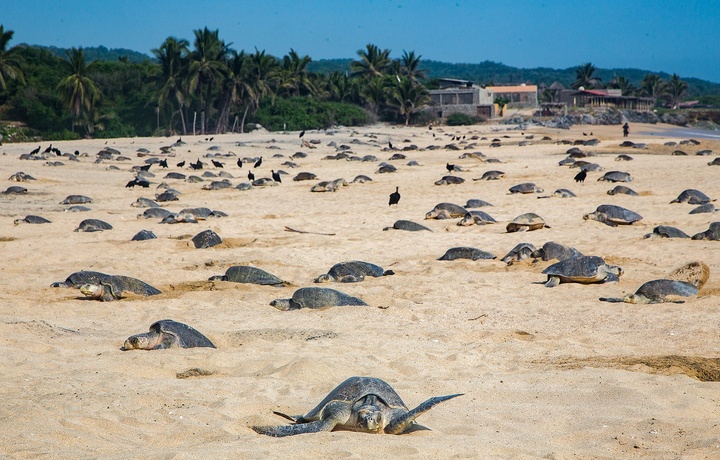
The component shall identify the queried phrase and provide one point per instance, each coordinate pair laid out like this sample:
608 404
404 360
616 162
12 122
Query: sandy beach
549 373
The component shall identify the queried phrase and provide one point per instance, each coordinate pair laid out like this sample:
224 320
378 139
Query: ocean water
685 133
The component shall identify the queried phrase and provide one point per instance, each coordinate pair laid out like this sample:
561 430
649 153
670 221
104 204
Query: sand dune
546 373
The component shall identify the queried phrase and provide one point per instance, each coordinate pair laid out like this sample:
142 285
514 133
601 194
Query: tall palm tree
207 64
237 89
79 90
652 85
294 77
411 66
373 62
10 61
623 84
407 97
584 77
675 90
263 77
374 93
172 56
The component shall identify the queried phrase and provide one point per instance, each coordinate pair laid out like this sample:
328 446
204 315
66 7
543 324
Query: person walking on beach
626 130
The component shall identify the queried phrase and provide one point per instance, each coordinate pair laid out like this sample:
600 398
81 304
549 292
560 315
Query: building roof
513 89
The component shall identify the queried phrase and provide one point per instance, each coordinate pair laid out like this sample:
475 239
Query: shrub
460 119
300 113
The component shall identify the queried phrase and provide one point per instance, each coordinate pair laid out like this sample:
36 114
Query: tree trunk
194 121
242 123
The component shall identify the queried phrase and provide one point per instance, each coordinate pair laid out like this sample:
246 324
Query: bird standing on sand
239 162
276 176
449 167
217 164
302 133
49 149
181 164
163 163
258 163
251 176
580 177
34 151
395 197
390 145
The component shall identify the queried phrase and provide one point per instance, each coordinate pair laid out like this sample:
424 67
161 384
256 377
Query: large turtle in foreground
692 196
365 404
315 297
352 272
584 269
613 215
247 274
526 223
167 333
658 291
114 287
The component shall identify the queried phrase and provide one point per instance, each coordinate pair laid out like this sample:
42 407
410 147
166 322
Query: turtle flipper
402 423
292 418
612 299
301 428
552 281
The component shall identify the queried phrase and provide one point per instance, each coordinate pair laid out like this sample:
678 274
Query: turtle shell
526 222
692 196
356 388
185 336
408 225
616 176
315 297
667 231
475 203
526 187
521 251
93 225
206 239
252 275
154 213
453 210
584 269
618 214
76 199
666 290
80 278
355 268
466 253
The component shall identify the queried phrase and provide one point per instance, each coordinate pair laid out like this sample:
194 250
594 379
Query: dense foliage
208 87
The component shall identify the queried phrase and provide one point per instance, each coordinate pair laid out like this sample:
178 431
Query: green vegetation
460 119
208 87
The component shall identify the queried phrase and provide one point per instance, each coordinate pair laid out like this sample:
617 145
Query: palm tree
675 89
294 76
623 84
407 97
172 56
652 85
263 77
80 91
373 62
237 89
410 66
207 64
584 77
10 61
374 93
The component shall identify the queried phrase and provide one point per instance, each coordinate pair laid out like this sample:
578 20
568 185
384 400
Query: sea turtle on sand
622 190
616 176
563 193
386 168
525 187
250 275
526 222
217 185
304 176
166 196
324 186
613 215
315 297
552 250
491 175
77 279
143 235
93 225
450 180
206 239
453 210
712 233
155 213
21 177
408 226
77 208
352 272
365 404
31 219
475 203
703 209
143 202
692 196
167 333
15 190
658 291
665 231
113 287
76 199
466 253
623 157
476 217
361 179
715 162
584 269
520 252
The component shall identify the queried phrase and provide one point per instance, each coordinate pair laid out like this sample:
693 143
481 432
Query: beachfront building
461 96
611 98
517 97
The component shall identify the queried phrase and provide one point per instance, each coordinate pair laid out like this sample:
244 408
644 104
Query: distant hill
100 53
495 73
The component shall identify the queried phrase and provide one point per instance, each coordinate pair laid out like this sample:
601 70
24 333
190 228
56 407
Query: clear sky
679 36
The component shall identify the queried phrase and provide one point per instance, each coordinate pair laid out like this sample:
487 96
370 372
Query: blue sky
680 36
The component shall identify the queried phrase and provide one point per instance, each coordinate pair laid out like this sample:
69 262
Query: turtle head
94 291
282 304
323 278
370 418
145 341
632 298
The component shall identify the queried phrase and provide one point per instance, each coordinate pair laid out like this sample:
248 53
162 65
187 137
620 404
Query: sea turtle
365 404
665 231
715 162
77 279
386 168
76 199
361 179
352 272
113 287
31 219
304 176
476 217
613 215
525 187
201 213
206 239
583 269
692 196
167 333
175 175
658 291
143 202
616 176
407 225
247 274
703 208
492 175
520 252
21 177
217 185
466 253
563 193
450 180
166 196
143 235
475 203
324 186
15 190
453 210
622 190
552 250
623 157
712 233
155 213
93 225
315 297
526 223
